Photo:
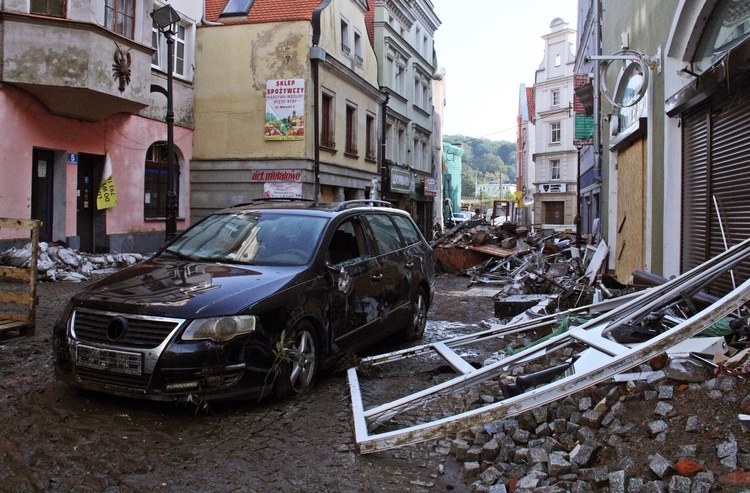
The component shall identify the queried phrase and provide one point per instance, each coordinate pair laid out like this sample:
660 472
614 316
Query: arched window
155 181
728 26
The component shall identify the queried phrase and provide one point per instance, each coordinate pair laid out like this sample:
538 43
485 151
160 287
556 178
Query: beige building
287 103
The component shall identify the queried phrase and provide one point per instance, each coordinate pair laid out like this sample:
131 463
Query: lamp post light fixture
166 19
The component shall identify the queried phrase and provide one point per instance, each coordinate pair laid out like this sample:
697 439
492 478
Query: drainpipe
317 55
597 99
383 167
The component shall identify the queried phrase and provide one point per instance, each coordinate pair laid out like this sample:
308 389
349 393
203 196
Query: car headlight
219 329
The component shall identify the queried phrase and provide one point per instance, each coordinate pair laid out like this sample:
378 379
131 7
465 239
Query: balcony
68 66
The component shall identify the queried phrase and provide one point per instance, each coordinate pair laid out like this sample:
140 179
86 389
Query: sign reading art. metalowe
285 109
278 175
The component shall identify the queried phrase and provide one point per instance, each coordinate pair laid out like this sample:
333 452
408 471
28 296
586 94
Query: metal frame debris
600 358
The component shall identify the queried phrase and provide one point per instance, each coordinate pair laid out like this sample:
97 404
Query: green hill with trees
485 161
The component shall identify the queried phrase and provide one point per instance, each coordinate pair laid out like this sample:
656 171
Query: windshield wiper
179 254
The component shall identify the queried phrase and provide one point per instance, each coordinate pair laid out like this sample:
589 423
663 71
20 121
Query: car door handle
377 277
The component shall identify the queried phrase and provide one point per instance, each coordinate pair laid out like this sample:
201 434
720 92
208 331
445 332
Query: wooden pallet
23 321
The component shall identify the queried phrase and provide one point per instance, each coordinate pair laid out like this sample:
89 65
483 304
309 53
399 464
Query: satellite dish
528 200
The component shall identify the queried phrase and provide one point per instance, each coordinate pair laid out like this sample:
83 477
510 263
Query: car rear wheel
299 363
415 330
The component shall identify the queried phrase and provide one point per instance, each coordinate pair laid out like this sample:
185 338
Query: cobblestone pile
653 435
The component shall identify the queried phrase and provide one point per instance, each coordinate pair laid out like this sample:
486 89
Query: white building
556 158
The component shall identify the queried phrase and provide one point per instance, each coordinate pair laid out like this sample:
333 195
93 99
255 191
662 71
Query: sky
488 48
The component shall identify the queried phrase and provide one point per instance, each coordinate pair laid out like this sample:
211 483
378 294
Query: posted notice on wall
285 109
282 190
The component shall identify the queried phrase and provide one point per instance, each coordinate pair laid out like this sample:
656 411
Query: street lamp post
166 18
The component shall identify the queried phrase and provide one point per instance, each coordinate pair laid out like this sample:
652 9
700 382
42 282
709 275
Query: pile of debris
60 263
527 268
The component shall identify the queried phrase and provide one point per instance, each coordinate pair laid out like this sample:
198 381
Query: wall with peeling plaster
233 65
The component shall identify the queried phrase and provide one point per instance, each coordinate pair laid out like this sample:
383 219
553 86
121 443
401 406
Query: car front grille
142 331
119 381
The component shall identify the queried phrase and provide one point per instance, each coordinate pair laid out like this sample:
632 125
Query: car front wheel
299 362
415 330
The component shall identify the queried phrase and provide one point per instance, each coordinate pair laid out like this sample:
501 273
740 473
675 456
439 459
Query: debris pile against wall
60 263
524 265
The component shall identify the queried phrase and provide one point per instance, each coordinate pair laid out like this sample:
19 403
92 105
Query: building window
418 37
555 97
389 140
358 48
236 7
555 136
351 130
178 65
399 84
402 146
555 169
345 37
426 46
155 181
156 45
370 137
327 137
119 16
159 43
557 60
55 8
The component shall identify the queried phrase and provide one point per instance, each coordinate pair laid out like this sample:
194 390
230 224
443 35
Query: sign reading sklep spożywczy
285 109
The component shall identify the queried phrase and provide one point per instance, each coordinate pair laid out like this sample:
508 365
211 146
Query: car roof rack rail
361 203
272 199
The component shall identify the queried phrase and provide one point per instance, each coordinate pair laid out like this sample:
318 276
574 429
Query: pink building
67 105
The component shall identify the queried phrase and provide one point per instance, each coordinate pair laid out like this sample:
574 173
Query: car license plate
109 360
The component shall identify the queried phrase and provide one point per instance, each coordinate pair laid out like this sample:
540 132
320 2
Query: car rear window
386 235
408 229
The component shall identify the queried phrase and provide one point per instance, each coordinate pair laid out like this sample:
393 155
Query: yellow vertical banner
107 196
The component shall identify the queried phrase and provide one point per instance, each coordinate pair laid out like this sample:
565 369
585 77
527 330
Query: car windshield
257 238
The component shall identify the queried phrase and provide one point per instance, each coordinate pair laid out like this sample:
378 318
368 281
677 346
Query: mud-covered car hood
170 287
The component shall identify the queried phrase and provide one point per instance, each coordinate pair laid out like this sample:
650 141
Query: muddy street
56 438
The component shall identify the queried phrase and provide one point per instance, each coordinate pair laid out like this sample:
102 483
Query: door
42 191
90 222
631 210
355 299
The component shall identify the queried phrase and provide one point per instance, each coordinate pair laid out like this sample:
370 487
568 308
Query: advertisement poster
285 109
279 190
107 196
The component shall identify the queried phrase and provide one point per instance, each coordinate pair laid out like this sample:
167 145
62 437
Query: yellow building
286 103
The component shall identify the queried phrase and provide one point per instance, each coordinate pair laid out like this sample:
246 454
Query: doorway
90 222
42 191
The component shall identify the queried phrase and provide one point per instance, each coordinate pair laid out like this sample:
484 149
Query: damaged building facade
70 105
670 141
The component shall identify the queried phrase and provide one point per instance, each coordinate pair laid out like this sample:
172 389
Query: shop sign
265 175
552 188
285 109
430 186
282 190
400 181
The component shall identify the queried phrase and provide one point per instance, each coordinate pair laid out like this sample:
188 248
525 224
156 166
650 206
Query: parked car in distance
251 301
459 217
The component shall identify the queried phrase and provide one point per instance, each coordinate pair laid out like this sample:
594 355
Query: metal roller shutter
716 162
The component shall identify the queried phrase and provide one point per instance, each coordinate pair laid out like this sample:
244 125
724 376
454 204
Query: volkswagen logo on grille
117 328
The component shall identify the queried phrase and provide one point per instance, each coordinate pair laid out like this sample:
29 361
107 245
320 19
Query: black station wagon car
250 301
